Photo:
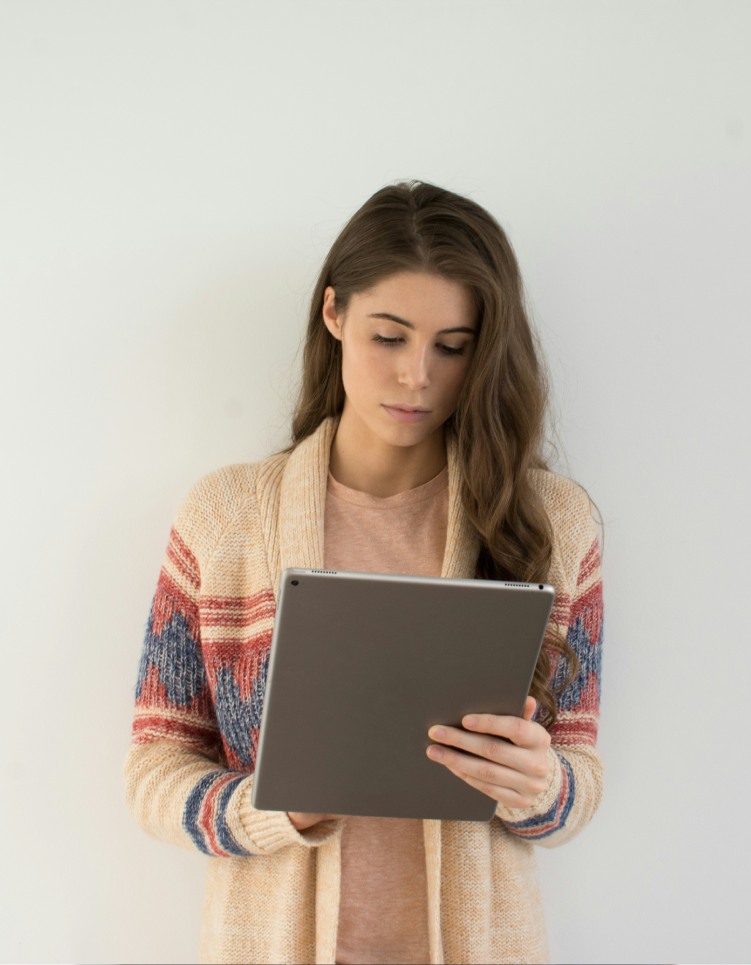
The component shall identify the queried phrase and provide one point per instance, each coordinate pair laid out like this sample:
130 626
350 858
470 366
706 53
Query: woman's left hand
504 757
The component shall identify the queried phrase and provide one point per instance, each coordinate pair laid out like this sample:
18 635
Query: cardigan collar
303 500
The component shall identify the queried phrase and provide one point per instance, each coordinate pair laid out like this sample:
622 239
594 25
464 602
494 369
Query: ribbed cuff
268 831
544 800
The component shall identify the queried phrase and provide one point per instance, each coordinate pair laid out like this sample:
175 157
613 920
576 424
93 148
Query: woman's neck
383 470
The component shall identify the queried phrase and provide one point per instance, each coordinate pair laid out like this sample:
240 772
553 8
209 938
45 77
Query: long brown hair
499 423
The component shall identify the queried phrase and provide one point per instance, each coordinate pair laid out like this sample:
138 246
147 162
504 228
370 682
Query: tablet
362 664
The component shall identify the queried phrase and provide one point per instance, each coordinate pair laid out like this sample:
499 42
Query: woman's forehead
419 298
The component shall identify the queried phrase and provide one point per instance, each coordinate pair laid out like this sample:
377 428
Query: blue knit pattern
590 662
240 719
193 813
176 654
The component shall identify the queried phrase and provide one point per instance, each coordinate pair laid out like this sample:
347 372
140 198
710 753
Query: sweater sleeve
575 772
178 786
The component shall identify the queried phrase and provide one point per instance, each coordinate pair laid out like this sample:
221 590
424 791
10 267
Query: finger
518 730
523 733
503 795
485 746
467 766
530 706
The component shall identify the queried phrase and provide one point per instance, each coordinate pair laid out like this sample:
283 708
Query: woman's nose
414 373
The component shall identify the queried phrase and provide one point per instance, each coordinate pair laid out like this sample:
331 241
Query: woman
416 449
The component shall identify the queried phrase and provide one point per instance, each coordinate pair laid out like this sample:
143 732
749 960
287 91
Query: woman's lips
407 413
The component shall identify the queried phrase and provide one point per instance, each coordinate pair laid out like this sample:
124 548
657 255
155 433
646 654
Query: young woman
416 448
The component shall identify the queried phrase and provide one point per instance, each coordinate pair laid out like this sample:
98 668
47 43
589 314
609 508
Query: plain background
171 176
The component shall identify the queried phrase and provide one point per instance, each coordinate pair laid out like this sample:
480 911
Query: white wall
171 175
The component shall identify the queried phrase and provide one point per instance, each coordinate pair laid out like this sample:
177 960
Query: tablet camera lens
295 583
540 585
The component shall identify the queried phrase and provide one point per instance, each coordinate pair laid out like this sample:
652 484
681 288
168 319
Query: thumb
530 706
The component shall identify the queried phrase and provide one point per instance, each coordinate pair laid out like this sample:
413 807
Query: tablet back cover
362 665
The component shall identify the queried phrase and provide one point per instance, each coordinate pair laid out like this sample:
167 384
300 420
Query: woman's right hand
302 820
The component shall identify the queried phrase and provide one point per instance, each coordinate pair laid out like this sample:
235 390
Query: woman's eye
397 340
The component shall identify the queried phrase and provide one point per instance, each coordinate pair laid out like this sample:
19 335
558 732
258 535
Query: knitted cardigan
272 893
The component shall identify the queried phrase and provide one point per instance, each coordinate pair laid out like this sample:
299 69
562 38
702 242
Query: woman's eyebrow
403 321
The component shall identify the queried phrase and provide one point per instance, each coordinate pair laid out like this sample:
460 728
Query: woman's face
407 344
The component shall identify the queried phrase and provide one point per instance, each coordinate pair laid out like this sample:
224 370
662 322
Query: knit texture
273 895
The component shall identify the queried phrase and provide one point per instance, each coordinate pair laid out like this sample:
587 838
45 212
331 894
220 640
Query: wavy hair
499 422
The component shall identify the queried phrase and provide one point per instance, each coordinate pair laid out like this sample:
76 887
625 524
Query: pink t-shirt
383 907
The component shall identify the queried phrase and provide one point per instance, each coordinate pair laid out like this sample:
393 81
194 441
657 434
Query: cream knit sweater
272 893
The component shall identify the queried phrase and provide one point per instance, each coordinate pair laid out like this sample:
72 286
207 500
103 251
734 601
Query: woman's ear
331 317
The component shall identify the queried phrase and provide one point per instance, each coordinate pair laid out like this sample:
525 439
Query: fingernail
437 732
470 721
434 753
